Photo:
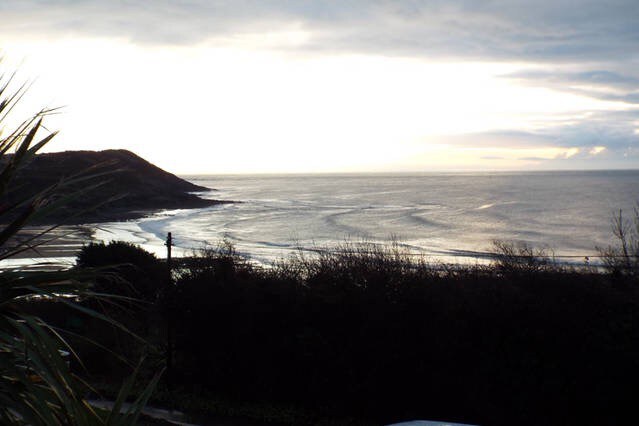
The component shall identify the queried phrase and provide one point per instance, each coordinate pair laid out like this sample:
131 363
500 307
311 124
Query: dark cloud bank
543 30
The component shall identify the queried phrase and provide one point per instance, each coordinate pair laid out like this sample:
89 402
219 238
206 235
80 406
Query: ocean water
447 216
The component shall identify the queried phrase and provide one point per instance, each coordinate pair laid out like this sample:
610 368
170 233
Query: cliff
134 186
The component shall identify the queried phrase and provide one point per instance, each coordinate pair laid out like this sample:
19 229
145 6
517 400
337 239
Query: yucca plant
36 385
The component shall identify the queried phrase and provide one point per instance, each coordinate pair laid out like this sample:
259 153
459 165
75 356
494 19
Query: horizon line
408 172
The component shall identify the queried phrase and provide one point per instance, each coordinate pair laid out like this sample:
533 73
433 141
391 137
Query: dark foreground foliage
375 334
37 385
139 271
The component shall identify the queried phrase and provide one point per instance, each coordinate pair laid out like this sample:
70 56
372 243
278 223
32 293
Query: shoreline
62 244
69 240
121 214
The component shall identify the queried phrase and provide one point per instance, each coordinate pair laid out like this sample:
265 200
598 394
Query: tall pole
169 315
169 244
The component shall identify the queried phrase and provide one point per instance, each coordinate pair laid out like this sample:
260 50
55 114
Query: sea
446 217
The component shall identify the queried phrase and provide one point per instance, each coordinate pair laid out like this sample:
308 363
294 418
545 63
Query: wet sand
62 242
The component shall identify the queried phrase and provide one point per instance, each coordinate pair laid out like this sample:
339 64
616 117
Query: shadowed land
365 334
123 186
362 334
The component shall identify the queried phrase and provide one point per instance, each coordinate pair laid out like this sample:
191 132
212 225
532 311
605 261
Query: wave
421 220
333 220
429 213
485 206
275 245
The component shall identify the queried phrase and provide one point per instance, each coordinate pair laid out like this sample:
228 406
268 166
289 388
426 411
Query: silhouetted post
169 315
169 243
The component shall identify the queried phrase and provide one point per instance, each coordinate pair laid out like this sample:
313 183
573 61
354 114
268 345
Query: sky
299 86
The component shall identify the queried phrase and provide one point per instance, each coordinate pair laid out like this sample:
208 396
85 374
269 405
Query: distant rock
134 186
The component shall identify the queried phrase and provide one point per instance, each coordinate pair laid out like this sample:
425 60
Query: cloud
608 132
589 48
599 84
499 139
517 30
532 158
592 78
614 130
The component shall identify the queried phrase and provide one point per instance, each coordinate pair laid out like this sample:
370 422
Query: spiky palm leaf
36 386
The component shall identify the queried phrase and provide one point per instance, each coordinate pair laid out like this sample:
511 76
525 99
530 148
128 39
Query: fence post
168 244
169 316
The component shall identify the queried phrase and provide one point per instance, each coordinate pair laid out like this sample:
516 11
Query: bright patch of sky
268 86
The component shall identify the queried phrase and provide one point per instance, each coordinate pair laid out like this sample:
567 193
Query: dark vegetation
123 186
370 335
37 385
361 334
358 335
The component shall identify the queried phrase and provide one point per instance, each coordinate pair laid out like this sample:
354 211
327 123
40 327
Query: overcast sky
236 86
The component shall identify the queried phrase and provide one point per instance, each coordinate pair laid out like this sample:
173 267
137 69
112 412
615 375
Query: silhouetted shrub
522 258
126 270
622 259
382 334
379 333
142 274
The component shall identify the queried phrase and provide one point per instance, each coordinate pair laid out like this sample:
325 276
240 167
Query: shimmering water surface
448 216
